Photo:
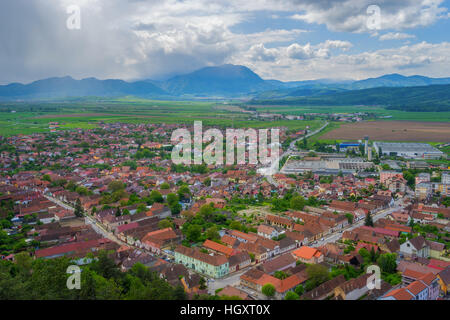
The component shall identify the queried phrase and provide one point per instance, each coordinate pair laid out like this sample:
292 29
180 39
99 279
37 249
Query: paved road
274 168
337 235
97 226
232 280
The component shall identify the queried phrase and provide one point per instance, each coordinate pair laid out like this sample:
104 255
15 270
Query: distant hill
396 80
235 81
226 80
422 98
68 87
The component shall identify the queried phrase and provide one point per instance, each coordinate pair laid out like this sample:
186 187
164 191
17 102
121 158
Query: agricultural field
379 111
392 131
28 118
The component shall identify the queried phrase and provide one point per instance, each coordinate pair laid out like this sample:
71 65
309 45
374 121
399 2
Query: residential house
216 266
308 255
415 247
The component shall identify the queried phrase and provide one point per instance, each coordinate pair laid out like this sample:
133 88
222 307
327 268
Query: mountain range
226 81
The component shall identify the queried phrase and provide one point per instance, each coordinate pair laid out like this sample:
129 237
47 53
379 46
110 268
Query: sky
288 40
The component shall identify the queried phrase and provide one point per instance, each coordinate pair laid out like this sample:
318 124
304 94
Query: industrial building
407 150
328 166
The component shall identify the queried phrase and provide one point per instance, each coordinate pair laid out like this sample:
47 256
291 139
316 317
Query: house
437 250
256 279
267 231
415 247
216 266
308 255
159 210
279 263
352 289
279 222
155 241
230 291
219 248
243 237
239 261
425 287
325 290
259 252
444 280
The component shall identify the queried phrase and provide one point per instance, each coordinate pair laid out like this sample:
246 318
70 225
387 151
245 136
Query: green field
35 117
379 111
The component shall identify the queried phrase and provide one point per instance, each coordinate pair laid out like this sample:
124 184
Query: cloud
352 16
303 62
136 39
395 36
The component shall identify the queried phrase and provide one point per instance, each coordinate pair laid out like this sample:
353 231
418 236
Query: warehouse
407 150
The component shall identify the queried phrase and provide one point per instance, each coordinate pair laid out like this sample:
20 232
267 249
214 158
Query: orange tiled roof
218 247
307 252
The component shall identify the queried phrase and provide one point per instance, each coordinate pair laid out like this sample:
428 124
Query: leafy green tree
368 221
299 290
172 199
156 196
212 233
317 274
176 208
184 192
268 290
165 186
202 283
388 262
235 225
78 209
297 203
116 185
165 223
194 233
207 182
290 295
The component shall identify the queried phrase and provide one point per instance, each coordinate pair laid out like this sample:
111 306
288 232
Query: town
111 200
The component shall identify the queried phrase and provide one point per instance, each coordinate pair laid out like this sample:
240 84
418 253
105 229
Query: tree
297 203
235 225
299 290
156 196
165 186
184 192
194 232
46 177
290 295
175 208
212 233
172 199
116 185
207 182
165 223
78 208
268 290
280 275
349 218
368 222
202 283
118 212
317 274
206 211
388 262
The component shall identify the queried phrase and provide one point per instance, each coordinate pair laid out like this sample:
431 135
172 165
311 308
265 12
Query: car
321 239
